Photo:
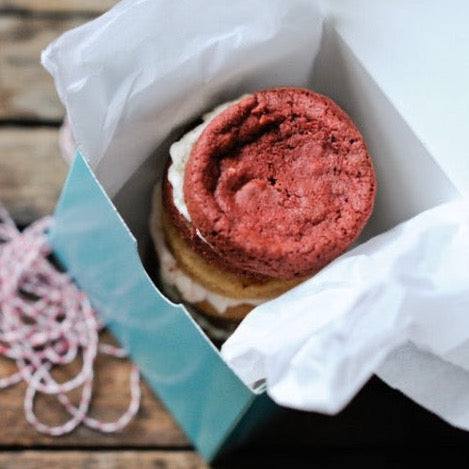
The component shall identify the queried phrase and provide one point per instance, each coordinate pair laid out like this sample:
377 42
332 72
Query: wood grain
101 460
26 89
32 172
86 6
153 427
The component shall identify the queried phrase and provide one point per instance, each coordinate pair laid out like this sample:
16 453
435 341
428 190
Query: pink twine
45 322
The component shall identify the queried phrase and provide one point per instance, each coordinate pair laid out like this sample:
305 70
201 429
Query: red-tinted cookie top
280 183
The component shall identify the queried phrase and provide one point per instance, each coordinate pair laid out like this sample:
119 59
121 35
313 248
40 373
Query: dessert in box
263 194
124 106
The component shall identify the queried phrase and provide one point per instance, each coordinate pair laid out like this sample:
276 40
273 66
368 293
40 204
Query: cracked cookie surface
280 183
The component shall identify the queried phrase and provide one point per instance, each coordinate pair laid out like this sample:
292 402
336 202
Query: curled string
47 322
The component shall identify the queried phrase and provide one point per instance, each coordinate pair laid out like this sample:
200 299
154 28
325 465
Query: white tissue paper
404 291
396 305
132 76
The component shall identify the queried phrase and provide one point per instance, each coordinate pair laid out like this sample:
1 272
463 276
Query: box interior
408 178
403 168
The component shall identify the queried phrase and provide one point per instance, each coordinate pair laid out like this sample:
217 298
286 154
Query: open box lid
417 53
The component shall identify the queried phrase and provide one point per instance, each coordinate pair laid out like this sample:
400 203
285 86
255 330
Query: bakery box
101 221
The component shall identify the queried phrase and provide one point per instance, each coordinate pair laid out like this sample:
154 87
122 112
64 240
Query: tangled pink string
45 322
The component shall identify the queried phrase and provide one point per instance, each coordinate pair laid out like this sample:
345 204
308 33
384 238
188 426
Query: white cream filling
172 275
180 152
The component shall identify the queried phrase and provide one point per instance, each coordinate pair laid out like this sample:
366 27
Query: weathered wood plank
26 89
101 460
32 171
94 6
152 427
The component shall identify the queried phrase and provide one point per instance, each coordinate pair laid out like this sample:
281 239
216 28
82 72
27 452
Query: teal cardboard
181 365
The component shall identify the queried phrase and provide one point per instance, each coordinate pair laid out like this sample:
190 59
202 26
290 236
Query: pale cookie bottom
213 291
216 279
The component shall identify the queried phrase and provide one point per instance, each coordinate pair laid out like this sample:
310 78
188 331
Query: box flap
176 358
416 52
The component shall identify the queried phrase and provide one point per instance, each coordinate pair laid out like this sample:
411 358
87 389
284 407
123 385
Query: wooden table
32 172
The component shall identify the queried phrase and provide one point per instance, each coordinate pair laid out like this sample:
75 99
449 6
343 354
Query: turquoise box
104 246
177 360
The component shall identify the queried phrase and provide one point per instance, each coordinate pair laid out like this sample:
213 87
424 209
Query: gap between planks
88 7
101 460
27 91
